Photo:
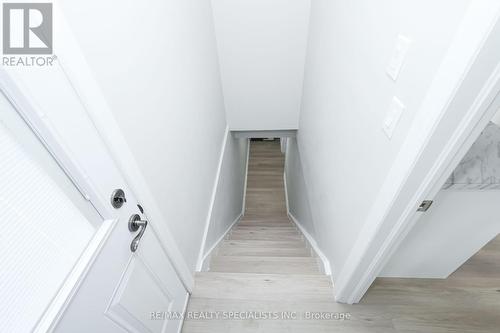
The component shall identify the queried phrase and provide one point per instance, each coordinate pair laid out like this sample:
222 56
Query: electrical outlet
398 57
393 116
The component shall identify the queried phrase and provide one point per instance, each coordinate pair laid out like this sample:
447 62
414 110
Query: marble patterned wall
480 167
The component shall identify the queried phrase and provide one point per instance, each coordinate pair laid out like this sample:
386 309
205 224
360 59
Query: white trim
249 134
33 116
206 258
184 309
66 293
283 144
393 214
199 264
314 246
286 193
243 207
78 73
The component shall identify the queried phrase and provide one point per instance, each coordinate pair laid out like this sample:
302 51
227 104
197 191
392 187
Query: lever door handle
135 223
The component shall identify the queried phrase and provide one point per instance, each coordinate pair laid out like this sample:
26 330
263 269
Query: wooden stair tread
275 265
227 250
295 287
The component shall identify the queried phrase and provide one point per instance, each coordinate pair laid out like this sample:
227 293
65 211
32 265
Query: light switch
393 116
398 57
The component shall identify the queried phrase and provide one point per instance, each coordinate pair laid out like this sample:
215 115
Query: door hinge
425 205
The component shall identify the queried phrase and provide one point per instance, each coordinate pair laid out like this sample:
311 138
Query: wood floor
265 270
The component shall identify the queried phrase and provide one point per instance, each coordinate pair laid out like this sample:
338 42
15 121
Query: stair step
248 286
264 219
266 223
265 235
265 209
297 244
272 218
228 248
284 227
263 229
276 265
269 225
283 231
288 230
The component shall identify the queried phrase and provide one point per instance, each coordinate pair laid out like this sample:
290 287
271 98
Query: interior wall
156 63
262 47
228 204
345 154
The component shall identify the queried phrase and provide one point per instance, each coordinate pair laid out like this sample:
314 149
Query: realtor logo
27 28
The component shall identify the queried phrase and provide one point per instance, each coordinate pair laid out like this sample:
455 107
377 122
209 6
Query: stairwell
264 267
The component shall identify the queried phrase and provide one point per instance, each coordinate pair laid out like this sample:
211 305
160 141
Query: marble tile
480 167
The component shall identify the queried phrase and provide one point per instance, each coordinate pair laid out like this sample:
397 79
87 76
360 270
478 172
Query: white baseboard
312 242
212 199
205 262
286 193
184 312
243 207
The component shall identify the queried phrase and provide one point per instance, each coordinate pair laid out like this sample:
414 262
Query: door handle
135 223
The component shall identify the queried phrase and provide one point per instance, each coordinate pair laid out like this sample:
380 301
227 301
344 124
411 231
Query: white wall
156 63
262 47
344 152
228 204
457 225
298 201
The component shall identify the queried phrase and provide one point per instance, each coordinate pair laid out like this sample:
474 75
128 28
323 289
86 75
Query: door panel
43 231
114 290
125 310
158 285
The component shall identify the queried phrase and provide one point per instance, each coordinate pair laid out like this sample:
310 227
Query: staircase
264 265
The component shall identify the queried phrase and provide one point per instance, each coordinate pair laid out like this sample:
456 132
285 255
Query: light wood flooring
264 267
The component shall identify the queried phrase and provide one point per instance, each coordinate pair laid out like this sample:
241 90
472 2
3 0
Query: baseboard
181 326
312 242
212 199
286 194
205 263
246 180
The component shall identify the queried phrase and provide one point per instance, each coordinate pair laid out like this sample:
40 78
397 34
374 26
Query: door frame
424 162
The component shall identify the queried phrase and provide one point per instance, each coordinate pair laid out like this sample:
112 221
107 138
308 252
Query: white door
66 258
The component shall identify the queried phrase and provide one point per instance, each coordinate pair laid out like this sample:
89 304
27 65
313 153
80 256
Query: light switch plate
398 57
393 116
